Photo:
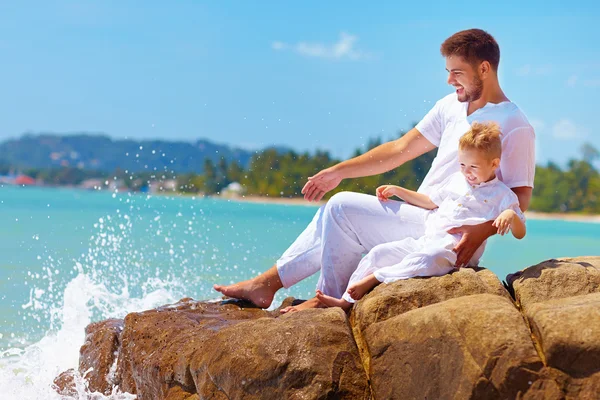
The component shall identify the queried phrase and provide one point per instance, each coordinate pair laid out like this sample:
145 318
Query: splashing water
140 252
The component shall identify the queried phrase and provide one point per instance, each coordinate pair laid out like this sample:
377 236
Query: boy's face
476 166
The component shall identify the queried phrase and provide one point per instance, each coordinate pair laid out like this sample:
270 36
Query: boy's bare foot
333 302
359 289
311 303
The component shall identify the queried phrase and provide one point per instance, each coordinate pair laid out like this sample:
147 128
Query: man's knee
342 198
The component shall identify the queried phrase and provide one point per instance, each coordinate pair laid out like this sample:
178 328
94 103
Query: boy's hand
385 192
504 221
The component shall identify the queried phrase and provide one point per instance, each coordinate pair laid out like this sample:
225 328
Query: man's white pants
341 232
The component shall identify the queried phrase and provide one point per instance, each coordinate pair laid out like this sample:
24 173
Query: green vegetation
274 173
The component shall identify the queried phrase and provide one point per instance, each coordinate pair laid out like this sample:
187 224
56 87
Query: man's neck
492 94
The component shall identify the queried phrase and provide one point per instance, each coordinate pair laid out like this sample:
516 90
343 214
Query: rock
555 279
305 355
470 347
214 350
157 345
454 336
390 300
64 384
568 332
99 352
387 301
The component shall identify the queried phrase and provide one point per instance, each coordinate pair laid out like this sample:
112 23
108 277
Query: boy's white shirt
461 203
447 121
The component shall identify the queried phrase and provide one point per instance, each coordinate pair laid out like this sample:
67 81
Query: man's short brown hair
483 137
474 45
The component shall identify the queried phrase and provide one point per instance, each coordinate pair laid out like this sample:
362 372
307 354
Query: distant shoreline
298 201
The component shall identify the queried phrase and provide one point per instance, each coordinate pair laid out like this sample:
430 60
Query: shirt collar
483 184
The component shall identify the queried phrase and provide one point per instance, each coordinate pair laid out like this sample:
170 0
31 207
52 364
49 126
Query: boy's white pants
348 226
430 255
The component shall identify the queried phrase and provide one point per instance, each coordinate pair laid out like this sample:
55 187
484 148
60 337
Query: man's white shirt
447 121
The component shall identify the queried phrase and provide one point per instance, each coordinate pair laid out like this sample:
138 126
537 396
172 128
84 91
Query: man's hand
321 183
472 237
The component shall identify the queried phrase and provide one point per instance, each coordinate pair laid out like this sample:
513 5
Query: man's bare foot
258 293
333 302
311 303
359 289
259 290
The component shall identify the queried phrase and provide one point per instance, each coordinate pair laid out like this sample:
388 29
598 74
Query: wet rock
64 384
304 355
214 350
470 347
98 354
555 279
157 345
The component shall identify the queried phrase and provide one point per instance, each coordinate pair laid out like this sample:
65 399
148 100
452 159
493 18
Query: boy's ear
496 163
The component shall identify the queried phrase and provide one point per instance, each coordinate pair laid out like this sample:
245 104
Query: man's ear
484 69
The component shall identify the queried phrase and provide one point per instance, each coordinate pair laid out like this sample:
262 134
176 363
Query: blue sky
308 75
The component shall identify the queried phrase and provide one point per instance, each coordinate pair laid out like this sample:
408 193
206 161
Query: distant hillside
100 152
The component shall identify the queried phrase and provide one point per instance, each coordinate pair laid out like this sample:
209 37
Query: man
351 224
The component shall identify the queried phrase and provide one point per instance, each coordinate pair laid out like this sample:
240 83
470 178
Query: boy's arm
415 198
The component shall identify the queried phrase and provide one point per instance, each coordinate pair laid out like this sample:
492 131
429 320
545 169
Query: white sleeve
517 164
511 202
431 125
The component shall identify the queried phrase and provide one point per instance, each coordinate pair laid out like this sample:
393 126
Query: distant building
92 184
169 185
234 189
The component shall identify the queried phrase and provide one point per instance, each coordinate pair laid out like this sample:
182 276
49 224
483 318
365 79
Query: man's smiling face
465 79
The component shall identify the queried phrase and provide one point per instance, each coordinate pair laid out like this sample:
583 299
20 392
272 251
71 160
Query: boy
469 197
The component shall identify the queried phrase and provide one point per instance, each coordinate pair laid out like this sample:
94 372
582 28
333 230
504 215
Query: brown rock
64 384
568 331
304 355
387 301
98 353
556 279
157 345
554 384
471 347
217 350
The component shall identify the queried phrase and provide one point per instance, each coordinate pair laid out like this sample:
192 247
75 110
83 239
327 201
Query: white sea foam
28 373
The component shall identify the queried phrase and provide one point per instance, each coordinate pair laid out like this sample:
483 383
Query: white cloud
592 83
572 81
344 48
528 70
279 46
567 129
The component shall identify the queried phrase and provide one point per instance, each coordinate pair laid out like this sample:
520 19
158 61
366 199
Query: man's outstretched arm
376 161
473 236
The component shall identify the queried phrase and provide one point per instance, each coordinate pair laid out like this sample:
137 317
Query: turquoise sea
69 257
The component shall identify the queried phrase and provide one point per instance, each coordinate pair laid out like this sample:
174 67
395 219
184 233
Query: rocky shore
465 335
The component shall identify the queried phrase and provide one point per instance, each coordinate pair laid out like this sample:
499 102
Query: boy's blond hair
484 137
